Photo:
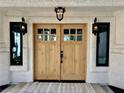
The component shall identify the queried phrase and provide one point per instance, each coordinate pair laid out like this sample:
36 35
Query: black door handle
61 55
61 52
61 61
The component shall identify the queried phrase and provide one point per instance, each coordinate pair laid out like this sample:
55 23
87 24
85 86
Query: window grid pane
46 31
40 31
79 38
79 31
46 34
72 31
72 35
52 37
53 31
66 31
66 38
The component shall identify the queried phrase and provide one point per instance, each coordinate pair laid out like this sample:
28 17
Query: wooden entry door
59 52
46 52
73 47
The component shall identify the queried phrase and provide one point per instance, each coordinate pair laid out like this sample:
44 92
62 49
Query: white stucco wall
94 74
116 69
4 57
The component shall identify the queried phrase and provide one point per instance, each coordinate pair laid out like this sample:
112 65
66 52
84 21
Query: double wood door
59 52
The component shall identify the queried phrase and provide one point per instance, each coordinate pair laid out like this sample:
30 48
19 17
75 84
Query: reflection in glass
72 31
46 37
102 48
66 31
79 38
66 38
53 37
102 45
72 38
40 37
46 31
53 31
16 48
79 31
40 31
15 44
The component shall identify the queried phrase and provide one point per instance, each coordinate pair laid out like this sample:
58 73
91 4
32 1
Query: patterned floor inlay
36 87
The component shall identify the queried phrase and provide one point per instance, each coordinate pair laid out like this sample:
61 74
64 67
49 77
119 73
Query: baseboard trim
116 89
4 87
61 81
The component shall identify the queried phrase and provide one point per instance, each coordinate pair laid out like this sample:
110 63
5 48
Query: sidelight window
102 45
15 44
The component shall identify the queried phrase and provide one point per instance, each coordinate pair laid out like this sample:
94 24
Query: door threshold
61 81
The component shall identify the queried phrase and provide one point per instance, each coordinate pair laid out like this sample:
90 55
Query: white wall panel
116 69
119 27
4 65
116 73
4 57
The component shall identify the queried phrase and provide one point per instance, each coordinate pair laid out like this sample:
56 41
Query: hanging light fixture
23 26
59 12
95 26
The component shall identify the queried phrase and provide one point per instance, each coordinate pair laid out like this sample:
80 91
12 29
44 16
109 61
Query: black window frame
13 26
107 44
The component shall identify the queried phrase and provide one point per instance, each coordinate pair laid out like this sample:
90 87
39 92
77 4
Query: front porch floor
49 87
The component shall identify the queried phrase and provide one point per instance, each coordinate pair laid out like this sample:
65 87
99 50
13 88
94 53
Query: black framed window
102 44
16 43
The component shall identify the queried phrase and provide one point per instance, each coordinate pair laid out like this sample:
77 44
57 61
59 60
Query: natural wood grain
73 66
47 55
47 59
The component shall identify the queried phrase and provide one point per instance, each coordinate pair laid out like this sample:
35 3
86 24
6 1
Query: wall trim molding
52 3
117 50
3 47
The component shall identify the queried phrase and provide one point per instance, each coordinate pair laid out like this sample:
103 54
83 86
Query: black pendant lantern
95 26
59 13
23 26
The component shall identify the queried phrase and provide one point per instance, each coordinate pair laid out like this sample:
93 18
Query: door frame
33 25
